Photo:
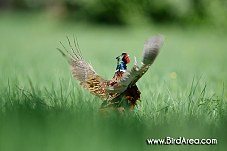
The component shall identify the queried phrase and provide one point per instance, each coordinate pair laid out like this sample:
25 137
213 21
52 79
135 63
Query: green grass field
43 108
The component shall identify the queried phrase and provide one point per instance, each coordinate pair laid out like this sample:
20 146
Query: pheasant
121 92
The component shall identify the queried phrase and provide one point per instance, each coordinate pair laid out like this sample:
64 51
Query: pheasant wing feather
84 72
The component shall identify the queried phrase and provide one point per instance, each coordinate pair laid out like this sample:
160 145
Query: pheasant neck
121 66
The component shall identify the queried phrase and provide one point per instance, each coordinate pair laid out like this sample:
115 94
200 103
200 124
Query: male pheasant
121 91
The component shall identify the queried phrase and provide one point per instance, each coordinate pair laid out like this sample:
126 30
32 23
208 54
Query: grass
43 108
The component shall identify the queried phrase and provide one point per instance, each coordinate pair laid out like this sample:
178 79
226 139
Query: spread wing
83 71
150 52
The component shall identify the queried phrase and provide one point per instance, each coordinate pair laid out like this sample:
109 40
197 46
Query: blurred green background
183 94
121 12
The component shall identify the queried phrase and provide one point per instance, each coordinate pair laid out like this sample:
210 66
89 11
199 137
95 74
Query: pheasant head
122 60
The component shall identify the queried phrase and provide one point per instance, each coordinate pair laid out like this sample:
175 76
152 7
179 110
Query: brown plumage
121 91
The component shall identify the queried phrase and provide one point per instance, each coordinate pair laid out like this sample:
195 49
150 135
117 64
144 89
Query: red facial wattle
127 59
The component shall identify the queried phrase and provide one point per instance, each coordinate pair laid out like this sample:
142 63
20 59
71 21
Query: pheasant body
121 91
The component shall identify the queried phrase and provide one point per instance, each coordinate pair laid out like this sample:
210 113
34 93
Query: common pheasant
121 92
